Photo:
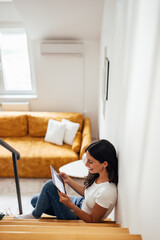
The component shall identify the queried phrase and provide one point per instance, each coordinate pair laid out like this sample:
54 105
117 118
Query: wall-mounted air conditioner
62 48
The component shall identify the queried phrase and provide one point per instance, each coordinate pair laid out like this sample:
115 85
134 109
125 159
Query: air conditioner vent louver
61 48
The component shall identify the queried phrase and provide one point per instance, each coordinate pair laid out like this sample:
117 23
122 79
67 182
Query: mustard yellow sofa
25 131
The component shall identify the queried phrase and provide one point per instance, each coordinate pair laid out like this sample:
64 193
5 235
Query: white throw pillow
55 132
70 131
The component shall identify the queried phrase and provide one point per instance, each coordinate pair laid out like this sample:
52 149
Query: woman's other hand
65 177
72 183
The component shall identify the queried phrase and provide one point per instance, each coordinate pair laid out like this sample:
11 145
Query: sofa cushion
36 156
13 124
38 122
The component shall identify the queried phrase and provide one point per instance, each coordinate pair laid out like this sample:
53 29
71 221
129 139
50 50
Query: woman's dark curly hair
103 150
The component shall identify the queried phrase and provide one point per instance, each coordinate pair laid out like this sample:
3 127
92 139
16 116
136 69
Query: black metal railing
15 157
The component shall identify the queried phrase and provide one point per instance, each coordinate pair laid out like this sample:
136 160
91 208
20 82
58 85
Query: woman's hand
65 177
63 198
73 184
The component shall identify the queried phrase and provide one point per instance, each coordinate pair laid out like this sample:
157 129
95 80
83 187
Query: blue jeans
48 202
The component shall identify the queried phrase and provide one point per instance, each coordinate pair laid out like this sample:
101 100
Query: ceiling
61 19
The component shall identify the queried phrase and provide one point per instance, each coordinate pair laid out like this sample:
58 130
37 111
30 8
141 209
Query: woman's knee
49 186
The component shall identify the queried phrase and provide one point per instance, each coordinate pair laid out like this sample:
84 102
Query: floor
29 187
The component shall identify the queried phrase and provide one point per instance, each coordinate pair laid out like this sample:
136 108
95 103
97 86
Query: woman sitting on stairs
99 193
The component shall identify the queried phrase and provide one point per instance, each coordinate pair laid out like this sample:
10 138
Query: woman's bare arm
97 214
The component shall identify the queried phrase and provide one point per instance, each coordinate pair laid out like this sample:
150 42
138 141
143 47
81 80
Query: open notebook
57 180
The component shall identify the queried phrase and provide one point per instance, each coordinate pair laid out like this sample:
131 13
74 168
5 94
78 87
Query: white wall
68 83
8 14
131 32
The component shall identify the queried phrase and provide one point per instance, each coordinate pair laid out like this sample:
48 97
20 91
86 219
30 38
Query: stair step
66 229
61 236
53 221
38 223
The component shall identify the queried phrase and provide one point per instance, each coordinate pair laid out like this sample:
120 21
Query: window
15 74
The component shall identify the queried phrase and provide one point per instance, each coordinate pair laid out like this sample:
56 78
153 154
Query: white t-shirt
104 194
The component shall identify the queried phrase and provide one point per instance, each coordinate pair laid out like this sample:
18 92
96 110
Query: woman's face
94 165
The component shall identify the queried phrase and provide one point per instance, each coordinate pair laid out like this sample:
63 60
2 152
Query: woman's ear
105 163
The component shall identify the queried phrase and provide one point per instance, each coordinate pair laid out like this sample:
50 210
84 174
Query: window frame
18 93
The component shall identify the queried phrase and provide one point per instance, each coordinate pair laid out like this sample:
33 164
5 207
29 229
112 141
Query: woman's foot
25 216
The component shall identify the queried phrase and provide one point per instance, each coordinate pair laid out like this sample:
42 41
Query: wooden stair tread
39 223
66 229
61 236
53 221
45 218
